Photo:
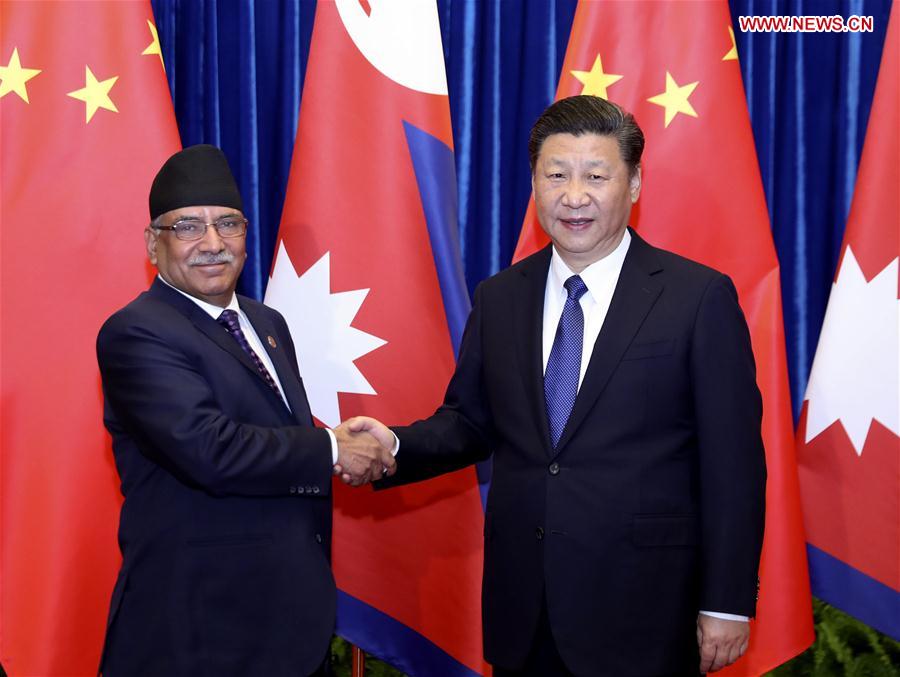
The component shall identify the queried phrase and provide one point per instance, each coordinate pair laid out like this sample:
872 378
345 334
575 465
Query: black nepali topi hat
197 175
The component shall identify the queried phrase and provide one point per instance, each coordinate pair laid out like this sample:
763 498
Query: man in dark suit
615 385
225 529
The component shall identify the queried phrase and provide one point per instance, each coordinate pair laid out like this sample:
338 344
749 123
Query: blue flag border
852 591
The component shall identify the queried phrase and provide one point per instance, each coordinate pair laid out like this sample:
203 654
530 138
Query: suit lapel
216 332
636 292
203 322
529 323
287 372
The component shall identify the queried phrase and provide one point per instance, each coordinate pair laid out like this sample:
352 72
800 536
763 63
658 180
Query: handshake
365 451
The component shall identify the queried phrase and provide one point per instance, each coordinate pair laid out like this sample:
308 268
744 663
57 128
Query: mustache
209 258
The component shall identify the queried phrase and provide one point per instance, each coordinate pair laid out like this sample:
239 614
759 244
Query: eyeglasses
194 229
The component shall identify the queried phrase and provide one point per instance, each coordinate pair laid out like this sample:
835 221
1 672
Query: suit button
293 490
299 490
319 538
309 490
315 490
539 532
554 468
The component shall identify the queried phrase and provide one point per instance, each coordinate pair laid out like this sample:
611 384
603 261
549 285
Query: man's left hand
721 641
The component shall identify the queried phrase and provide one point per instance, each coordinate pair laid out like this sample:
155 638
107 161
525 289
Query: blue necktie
564 363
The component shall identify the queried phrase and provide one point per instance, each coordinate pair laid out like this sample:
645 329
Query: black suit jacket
651 508
225 530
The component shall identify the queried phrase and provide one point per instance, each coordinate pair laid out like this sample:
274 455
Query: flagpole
358 668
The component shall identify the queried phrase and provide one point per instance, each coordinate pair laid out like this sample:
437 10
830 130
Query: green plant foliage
844 647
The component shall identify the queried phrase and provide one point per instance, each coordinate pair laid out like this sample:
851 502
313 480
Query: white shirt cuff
396 444
726 617
334 449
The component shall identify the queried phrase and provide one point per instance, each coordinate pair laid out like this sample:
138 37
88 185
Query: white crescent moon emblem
401 38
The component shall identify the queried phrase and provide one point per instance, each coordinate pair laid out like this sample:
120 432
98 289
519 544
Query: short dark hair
587 114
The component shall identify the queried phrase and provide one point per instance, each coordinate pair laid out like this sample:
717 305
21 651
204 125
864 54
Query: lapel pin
272 342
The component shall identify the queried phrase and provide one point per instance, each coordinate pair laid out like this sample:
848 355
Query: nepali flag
848 440
368 275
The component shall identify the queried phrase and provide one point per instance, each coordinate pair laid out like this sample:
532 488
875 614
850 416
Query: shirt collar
212 310
594 274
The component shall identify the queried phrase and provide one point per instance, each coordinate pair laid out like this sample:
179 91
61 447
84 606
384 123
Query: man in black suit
225 530
615 385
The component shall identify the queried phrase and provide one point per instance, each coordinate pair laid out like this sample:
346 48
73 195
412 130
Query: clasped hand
364 451
721 641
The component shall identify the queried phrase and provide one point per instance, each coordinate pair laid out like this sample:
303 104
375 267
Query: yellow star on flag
154 47
13 77
675 99
95 94
595 81
732 53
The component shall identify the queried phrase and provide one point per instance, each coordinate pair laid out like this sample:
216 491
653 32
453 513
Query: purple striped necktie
230 320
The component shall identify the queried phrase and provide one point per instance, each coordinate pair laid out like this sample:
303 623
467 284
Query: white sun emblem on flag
326 343
854 376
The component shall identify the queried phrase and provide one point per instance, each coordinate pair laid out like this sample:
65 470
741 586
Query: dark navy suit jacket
652 506
225 529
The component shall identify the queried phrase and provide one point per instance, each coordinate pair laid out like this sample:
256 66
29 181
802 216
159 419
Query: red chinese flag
674 65
85 121
848 440
371 196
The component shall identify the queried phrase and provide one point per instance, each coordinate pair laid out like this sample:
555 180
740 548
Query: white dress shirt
600 278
